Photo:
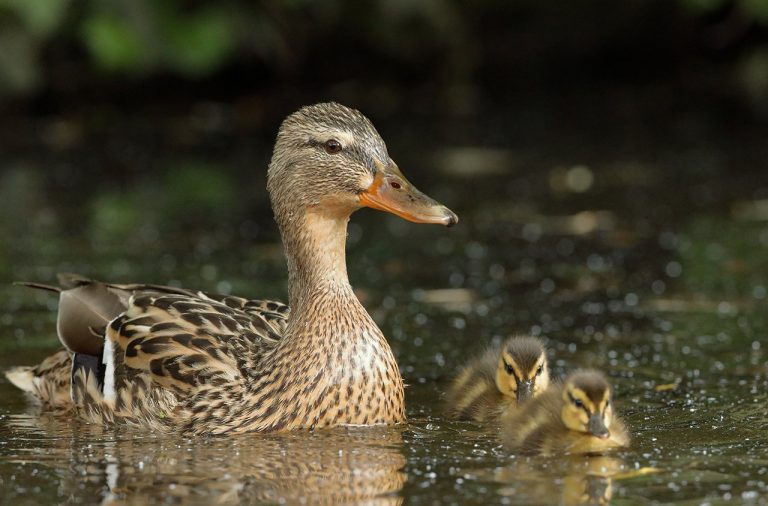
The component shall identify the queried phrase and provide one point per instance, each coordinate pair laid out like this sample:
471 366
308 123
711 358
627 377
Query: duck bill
391 192
524 391
597 426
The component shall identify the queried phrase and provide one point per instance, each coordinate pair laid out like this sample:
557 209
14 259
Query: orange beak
391 192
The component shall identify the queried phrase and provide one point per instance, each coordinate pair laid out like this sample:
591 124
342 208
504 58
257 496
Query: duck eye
508 368
395 185
538 371
578 403
332 146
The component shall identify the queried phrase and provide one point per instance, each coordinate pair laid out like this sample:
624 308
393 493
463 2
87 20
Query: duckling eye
332 146
538 371
578 403
508 368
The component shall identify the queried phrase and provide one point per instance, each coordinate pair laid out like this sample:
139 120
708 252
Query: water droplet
673 269
595 262
496 271
579 179
531 232
725 307
224 287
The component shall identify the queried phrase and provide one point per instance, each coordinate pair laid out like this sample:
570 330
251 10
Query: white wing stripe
108 358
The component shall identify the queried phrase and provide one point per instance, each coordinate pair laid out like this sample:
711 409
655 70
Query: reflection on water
572 481
124 467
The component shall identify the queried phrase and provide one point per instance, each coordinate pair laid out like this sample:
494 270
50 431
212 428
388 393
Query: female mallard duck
169 358
573 417
497 381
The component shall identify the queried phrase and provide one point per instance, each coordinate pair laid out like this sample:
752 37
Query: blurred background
456 57
451 57
607 160
134 119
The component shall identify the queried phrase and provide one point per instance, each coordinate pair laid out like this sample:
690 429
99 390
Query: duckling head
587 403
522 372
330 158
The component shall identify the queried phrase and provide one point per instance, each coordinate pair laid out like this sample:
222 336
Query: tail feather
22 378
85 308
83 312
49 381
38 286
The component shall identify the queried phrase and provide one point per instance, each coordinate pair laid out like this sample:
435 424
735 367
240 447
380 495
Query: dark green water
640 250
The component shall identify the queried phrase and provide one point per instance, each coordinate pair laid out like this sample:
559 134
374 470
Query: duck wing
86 306
184 341
130 339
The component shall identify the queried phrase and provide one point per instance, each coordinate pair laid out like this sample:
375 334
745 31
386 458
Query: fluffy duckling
573 417
497 381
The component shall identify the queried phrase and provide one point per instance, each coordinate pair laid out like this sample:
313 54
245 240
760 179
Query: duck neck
315 247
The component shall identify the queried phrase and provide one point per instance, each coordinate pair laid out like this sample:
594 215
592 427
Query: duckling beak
524 390
597 427
391 192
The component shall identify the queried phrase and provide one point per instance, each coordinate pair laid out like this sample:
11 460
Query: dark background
445 58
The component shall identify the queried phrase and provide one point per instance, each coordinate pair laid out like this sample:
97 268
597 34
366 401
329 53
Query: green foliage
39 17
130 37
113 42
21 37
194 39
159 37
756 9
196 44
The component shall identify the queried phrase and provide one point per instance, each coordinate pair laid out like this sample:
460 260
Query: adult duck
173 359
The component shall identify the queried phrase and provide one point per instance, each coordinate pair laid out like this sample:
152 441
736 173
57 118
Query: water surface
640 254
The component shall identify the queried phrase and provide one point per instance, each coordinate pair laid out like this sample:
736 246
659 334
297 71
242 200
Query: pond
639 249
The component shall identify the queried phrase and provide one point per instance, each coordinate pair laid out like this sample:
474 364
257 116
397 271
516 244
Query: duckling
499 380
573 417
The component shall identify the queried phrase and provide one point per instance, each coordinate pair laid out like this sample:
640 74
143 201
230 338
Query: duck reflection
576 480
123 467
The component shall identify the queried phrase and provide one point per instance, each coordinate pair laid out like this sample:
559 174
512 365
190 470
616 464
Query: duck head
522 372
330 159
587 404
